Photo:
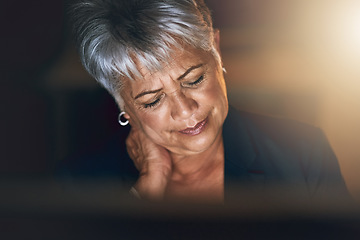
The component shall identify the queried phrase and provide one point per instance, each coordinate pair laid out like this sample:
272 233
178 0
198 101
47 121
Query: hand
153 162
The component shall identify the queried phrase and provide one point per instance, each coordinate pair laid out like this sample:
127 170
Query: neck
198 177
195 165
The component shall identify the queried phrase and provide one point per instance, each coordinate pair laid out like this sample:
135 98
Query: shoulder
284 132
280 144
286 151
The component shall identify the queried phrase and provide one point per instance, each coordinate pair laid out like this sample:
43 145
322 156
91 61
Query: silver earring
120 121
224 70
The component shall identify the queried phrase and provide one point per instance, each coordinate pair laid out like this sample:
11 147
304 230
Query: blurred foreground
104 210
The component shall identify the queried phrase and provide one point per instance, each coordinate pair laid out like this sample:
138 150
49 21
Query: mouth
197 129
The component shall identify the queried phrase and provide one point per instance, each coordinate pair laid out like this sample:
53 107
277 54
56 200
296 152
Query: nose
183 106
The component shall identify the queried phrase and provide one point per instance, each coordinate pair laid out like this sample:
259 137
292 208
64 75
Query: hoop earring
120 121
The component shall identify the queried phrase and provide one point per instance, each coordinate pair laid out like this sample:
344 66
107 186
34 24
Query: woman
160 60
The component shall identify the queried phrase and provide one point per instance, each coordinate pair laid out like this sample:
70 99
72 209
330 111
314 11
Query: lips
197 129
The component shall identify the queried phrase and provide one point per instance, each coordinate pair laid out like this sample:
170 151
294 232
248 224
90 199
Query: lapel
240 153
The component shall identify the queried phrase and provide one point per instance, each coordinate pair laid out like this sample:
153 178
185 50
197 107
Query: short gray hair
112 34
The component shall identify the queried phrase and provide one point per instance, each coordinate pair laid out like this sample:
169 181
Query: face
183 106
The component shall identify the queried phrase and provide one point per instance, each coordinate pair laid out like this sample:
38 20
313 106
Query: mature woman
160 60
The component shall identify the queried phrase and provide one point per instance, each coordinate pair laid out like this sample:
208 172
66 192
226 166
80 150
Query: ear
127 116
217 39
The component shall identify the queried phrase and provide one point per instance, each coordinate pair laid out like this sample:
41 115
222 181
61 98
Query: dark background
51 109
46 115
33 37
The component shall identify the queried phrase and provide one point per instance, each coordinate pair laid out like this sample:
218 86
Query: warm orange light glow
299 49
346 21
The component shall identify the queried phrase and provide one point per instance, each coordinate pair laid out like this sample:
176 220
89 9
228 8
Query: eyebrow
189 70
179 78
147 92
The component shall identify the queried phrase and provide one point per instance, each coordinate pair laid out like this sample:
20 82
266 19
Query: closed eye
195 83
153 103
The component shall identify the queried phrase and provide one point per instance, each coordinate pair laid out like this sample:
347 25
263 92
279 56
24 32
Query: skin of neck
191 167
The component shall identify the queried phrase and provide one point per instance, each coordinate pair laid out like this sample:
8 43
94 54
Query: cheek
213 94
157 128
154 122
215 97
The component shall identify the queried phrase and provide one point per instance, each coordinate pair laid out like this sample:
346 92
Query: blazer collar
238 147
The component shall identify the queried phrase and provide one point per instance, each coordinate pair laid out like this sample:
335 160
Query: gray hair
112 34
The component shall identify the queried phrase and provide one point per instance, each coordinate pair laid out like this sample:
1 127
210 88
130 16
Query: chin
200 143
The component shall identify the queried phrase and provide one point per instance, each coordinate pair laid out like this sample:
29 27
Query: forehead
179 62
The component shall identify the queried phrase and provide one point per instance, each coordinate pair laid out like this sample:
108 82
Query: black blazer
263 153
